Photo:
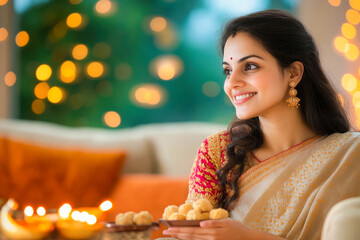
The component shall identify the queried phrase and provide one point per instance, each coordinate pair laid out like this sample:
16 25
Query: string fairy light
355 4
341 44
55 95
158 24
348 30
166 67
75 2
43 72
334 3
68 72
351 51
22 38
211 89
112 119
80 52
148 95
38 106
41 90
103 6
95 69
353 16
10 79
74 20
3 34
3 2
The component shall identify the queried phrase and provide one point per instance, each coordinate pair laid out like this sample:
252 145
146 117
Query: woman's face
255 83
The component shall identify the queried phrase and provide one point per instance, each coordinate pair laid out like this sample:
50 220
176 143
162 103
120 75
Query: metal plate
112 227
180 223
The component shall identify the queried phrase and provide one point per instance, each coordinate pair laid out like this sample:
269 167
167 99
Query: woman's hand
225 229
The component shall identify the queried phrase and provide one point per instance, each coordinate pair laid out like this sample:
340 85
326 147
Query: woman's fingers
188 230
210 229
214 223
185 236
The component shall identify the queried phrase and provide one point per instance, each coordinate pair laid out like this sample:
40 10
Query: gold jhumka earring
293 101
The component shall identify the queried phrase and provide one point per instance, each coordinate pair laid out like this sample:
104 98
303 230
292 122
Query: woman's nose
236 80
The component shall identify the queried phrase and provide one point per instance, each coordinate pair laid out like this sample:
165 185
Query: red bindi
230 58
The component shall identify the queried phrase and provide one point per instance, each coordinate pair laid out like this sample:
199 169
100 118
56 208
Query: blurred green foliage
126 32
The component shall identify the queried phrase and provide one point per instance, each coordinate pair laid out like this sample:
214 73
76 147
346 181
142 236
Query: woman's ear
295 72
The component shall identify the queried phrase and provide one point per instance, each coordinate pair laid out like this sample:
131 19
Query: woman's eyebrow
244 58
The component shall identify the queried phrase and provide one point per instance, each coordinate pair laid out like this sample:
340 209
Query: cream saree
290 193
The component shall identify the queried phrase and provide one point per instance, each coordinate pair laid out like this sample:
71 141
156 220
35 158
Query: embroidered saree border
296 145
258 172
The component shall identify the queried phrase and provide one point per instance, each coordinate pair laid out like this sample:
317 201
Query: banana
13 230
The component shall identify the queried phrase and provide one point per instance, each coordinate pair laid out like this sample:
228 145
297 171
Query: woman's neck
283 131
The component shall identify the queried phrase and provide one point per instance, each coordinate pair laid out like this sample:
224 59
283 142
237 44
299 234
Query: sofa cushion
175 145
140 157
41 175
151 192
139 192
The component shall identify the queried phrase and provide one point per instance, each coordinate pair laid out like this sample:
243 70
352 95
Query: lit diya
34 229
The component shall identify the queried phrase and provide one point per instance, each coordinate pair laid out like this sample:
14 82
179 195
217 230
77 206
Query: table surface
53 236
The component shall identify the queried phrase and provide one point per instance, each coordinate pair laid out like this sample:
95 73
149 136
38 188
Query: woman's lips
241 98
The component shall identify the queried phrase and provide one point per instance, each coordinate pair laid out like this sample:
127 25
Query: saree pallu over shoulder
290 194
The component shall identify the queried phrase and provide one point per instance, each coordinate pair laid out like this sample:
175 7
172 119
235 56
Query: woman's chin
242 116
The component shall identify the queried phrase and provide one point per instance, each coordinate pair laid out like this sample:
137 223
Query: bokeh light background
121 63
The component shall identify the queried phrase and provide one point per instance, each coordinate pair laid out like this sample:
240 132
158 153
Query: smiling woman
278 165
252 76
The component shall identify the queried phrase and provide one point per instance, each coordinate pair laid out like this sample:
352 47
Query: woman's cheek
227 89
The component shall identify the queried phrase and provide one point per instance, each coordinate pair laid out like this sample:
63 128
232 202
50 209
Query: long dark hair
286 39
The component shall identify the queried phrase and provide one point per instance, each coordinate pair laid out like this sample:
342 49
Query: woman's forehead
243 44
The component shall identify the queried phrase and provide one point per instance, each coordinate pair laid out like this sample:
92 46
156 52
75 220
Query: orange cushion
139 192
39 175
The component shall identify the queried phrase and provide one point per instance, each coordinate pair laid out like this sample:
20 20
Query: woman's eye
250 66
227 72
